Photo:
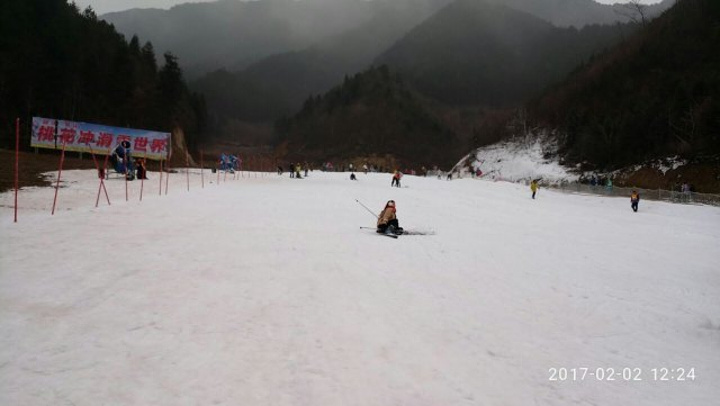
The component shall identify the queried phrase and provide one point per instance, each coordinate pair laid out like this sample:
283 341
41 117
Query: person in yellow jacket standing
387 220
534 187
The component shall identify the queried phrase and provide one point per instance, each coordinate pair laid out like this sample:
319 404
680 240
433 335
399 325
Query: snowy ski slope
263 290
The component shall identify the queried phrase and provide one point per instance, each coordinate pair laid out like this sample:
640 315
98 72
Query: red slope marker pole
142 180
101 176
167 177
167 180
57 184
17 166
126 178
105 171
161 176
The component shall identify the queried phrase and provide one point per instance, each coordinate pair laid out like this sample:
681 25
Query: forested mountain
277 85
57 62
475 52
371 113
231 34
293 49
655 94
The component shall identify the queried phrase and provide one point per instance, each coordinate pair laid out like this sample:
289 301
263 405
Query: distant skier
387 220
634 200
396 179
534 187
352 176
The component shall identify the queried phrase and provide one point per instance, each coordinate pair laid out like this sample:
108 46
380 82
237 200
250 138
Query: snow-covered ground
519 159
264 290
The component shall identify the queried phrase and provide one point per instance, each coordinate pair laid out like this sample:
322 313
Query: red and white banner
98 139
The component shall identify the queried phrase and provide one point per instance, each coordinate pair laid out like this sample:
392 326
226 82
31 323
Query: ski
416 232
405 232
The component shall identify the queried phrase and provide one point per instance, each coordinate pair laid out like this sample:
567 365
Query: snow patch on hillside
668 164
518 160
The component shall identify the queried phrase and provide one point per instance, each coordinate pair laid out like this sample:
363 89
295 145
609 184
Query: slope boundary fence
647 194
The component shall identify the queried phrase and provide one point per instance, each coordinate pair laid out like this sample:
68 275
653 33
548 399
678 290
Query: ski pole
370 211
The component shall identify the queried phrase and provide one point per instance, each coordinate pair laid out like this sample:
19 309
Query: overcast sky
106 6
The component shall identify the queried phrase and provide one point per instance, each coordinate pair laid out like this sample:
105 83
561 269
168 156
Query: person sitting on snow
387 220
122 160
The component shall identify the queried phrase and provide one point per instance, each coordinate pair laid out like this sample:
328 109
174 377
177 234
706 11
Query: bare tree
635 11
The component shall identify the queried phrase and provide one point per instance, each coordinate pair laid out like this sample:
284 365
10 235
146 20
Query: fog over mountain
578 13
108 6
232 34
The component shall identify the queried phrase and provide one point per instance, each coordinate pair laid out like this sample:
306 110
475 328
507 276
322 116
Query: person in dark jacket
634 200
387 220
141 171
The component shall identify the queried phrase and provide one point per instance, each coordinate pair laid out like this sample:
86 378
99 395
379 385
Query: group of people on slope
125 164
388 223
634 196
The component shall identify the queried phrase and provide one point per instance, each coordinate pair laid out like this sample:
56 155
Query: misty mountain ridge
277 85
476 52
231 34
579 13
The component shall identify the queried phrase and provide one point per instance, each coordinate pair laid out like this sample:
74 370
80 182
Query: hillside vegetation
654 95
370 113
60 63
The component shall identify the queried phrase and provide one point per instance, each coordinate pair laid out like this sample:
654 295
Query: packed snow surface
264 290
